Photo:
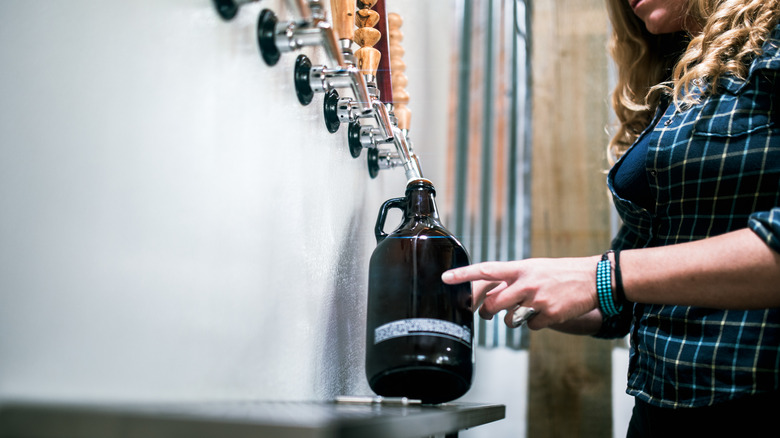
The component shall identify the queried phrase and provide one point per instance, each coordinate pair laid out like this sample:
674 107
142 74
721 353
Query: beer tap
310 79
339 109
228 9
369 60
380 158
343 109
310 28
395 82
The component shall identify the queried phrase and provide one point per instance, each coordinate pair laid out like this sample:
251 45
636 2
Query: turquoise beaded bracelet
607 302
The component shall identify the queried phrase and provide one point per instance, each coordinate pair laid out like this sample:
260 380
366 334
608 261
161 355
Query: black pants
757 416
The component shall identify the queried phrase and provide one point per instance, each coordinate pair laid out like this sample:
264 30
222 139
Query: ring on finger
521 315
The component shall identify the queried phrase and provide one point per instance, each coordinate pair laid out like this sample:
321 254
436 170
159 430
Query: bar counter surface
242 419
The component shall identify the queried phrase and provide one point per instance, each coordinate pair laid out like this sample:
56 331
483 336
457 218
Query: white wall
174 225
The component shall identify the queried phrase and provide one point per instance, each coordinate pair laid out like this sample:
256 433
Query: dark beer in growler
419 330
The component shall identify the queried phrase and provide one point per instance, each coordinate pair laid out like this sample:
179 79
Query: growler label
422 327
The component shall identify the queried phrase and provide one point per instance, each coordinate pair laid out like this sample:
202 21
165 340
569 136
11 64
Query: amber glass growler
419 330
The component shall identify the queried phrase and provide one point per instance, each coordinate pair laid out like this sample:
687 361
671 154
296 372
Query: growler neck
420 202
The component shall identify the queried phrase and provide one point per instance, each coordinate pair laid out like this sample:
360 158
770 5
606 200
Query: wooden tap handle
367 37
368 60
397 65
403 115
366 4
400 81
343 17
394 21
366 18
396 36
396 52
400 97
384 73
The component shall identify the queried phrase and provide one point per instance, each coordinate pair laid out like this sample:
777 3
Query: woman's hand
559 290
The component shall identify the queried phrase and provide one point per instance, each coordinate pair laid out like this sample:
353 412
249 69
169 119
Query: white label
422 327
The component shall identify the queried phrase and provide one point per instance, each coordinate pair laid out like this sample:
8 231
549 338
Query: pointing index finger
453 276
479 271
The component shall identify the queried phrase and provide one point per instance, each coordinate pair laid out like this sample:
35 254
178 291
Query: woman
695 273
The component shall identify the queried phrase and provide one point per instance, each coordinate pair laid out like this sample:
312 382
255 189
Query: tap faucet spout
383 120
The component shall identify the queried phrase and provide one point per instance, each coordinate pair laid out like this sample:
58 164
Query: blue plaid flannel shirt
713 167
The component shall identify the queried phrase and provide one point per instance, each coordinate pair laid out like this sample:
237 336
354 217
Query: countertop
242 419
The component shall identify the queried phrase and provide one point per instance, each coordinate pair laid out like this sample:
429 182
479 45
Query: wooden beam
569 376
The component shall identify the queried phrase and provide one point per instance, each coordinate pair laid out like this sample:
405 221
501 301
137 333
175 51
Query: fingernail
447 276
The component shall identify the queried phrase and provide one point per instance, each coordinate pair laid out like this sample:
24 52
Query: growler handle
379 230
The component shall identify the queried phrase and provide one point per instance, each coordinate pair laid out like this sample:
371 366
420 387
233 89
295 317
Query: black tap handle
228 9
302 78
266 37
330 107
353 139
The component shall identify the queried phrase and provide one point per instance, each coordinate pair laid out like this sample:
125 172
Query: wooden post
570 376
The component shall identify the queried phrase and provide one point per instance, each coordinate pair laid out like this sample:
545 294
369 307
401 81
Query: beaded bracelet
607 302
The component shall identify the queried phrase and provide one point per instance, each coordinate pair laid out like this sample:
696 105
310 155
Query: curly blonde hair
680 65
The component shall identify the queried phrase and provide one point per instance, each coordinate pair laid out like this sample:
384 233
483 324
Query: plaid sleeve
767 225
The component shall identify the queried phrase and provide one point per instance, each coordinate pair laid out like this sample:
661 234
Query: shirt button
653 173
668 122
